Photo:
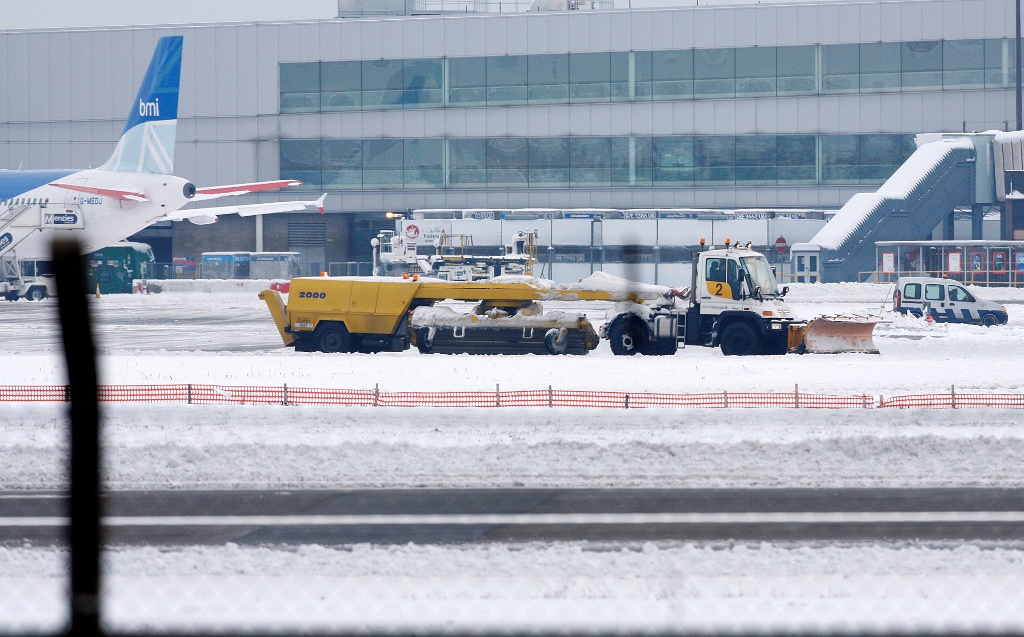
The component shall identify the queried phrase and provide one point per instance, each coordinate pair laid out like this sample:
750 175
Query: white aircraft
132 190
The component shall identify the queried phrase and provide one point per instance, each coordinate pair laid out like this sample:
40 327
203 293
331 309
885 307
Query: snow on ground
714 587
565 587
192 446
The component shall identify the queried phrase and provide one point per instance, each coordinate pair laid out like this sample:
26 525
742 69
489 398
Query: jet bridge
946 172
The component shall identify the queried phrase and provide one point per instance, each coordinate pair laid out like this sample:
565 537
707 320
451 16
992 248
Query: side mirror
783 290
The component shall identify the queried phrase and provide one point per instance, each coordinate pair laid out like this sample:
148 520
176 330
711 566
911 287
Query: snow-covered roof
1005 137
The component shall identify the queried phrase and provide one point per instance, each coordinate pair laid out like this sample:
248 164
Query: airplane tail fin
147 143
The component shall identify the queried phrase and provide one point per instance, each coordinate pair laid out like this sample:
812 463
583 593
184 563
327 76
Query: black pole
1020 122
80 356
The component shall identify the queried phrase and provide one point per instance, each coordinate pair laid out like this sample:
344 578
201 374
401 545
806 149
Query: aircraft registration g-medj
132 190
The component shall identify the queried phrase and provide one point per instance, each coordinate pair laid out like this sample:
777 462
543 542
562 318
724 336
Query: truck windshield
760 274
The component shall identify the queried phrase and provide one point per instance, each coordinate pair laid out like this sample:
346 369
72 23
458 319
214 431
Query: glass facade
588 162
647 75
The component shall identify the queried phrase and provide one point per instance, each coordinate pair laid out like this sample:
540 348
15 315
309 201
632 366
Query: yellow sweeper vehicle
733 302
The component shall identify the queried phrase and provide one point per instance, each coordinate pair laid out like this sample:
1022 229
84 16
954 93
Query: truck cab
734 302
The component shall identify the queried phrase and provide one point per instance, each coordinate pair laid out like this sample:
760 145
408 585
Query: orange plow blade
835 335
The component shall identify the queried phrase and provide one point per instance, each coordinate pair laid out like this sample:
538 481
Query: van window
912 291
934 292
960 295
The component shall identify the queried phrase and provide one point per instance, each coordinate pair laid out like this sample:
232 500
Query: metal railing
981 278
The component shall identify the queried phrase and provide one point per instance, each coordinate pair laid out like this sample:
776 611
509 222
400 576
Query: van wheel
36 294
333 339
739 339
989 320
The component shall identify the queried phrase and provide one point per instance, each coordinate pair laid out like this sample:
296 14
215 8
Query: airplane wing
213 192
126 195
203 216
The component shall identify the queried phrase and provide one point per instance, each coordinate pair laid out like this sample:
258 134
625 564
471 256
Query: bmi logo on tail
149 109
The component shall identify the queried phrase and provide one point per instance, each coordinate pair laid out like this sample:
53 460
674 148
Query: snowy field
229 339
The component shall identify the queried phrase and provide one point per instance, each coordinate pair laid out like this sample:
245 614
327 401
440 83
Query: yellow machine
733 303
345 314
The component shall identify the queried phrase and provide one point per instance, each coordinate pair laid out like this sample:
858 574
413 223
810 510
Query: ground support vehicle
31 279
455 258
373 314
945 301
733 303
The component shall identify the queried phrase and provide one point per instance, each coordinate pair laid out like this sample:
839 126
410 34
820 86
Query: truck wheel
333 339
739 339
424 340
36 294
989 320
627 338
552 345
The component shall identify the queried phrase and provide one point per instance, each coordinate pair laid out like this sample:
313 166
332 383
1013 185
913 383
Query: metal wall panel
225 67
829 26
807 23
787 26
870 24
617 232
413 124
268 160
641 30
246 71
476 38
350 39
700 30
410 42
579 122
537 34
484 232
497 122
725 28
998 18
574 232
559 121
474 122
309 41
518 123
889 22
621 119
558 33
570 271
618 33
433 38
745 26
454 37
725 117
631 271
579 27
683 232
268 96
59 76
39 83
517 34
600 119
537 122
330 39
494 31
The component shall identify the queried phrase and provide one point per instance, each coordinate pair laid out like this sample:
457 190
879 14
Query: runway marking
519 519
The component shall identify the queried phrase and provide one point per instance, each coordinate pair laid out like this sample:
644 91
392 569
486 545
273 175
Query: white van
945 300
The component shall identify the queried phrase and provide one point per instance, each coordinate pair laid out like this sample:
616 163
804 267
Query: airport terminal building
780 110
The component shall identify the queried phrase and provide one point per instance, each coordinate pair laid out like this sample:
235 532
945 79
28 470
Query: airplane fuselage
96 218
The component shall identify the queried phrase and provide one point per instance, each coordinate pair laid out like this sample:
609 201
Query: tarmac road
399 516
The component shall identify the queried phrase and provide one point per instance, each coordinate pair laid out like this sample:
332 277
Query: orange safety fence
200 394
953 400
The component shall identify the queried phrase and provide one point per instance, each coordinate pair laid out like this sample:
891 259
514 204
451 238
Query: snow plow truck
733 303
